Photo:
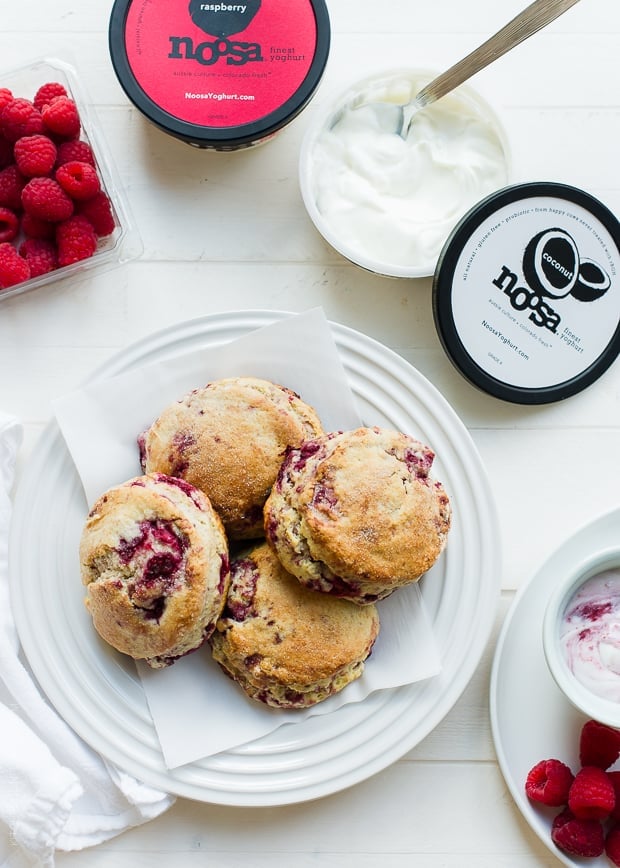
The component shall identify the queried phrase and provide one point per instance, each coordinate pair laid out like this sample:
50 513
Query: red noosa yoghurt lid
219 75
526 294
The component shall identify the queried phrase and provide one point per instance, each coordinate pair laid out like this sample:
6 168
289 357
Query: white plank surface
224 232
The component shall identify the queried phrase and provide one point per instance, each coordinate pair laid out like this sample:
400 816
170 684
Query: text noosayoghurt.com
505 340
249 97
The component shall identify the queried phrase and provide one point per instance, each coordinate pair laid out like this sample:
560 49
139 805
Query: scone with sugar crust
357 514
285 645
228 438
154 560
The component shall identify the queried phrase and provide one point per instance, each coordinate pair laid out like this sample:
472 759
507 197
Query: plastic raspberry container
124 243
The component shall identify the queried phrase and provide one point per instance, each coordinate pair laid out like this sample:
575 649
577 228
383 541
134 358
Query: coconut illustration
592 281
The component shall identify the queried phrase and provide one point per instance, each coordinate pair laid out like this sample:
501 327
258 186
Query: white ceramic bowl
413 196
578 694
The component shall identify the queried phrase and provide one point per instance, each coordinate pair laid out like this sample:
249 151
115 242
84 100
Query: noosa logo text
208 53
552 270
221 21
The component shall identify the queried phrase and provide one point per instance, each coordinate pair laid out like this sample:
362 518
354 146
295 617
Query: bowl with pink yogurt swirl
581 636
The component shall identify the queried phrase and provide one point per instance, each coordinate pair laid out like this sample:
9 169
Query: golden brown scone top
228 439
154 560
372 510
302 636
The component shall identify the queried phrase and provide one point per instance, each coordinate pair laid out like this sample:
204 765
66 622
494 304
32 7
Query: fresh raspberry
614 777
9 224
76 240
35 155
33 227
5 97
6 152
98 211
13 269
549 782
599 745
47 92
11 185
20 118
78 180
61 117
577 837
591 796
75 149
612 845
40 256
44 198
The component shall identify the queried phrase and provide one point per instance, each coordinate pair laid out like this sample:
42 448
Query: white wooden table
223 232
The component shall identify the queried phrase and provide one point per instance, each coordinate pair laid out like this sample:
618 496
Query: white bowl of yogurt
389 203
581 636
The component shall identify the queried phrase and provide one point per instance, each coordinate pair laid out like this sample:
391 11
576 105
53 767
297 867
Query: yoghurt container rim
595 707
224 135
324 116
510 299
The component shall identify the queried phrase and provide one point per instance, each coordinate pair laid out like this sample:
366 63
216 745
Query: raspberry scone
284 645
154 559
228 439
356 514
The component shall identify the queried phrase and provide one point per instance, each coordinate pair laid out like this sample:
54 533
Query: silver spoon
532 19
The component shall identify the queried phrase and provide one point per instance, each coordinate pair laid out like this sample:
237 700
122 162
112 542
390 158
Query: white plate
98 693
531 719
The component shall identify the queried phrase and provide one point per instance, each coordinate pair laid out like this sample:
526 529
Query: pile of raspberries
53 210
589 822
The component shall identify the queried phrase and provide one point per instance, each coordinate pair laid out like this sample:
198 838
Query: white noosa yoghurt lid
526 295
219 75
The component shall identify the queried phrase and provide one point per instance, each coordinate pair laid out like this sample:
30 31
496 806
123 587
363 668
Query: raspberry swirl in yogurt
590 634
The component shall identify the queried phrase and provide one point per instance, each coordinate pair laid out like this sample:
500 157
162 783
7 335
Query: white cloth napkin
55 792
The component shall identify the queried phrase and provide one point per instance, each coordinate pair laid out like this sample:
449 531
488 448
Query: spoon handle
533 18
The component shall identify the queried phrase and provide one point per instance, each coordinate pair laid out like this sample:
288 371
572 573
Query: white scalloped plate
99 694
